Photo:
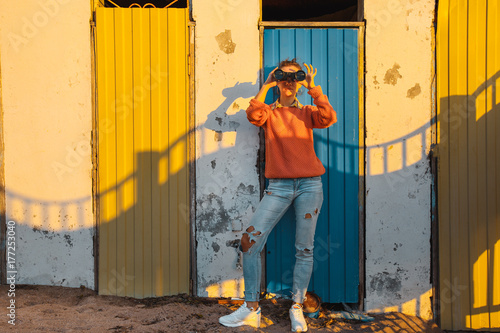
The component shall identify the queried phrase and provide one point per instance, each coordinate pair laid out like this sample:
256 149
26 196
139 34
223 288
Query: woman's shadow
229 115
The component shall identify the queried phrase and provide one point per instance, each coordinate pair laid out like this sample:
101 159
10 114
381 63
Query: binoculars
279 75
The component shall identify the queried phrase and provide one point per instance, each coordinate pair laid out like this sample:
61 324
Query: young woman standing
294 173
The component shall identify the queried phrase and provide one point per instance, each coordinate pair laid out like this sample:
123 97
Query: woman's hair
288 62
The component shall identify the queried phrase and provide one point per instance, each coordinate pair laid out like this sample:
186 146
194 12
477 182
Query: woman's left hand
311 73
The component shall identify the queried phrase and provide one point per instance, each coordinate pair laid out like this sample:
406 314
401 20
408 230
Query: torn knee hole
251 228
246 240
309 215
246 243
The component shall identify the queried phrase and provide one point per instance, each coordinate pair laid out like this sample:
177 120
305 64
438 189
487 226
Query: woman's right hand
271 81
268 84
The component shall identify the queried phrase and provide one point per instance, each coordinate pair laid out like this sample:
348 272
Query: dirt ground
60 309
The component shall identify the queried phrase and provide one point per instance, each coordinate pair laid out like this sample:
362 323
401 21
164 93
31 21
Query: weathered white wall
46 92
227 188
398 111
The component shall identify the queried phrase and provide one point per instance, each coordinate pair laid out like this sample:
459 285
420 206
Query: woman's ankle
254 305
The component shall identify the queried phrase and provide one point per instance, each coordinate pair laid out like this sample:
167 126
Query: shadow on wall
469 207
49 236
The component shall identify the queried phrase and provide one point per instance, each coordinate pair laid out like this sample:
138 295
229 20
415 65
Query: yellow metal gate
142 158
468 91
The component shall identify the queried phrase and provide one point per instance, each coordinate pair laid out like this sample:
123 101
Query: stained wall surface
227 60
399 48
47 106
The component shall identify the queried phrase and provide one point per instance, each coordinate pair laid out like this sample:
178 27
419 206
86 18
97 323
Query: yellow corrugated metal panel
468 69
143 162
107 152
493 129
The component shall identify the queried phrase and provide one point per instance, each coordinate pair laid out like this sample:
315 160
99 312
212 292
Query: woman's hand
311 73
271 81
268 84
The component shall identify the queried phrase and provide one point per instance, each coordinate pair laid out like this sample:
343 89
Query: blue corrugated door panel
336 256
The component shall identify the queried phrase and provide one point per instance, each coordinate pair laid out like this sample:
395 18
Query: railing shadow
468 206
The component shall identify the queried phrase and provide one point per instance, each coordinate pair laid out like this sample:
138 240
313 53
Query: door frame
362 163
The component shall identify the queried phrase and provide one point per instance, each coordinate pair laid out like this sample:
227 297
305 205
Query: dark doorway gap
310 10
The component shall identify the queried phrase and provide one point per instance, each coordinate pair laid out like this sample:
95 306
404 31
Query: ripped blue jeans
306 196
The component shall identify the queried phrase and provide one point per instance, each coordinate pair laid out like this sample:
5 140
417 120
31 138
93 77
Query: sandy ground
59 309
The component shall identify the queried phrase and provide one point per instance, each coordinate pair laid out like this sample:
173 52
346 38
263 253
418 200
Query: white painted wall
46 93
398 181
227 188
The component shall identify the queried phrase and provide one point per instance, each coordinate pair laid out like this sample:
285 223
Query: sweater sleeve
322 114
258 112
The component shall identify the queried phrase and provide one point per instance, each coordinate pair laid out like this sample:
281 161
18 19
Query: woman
294 172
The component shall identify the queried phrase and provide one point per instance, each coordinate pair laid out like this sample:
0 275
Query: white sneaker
297 318
242 316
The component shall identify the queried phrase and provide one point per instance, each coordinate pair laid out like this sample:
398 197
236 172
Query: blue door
336 250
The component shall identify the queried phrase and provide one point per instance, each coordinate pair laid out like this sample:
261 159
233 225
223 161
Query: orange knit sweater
289 135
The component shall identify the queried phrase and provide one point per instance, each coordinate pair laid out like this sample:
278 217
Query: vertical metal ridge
115 231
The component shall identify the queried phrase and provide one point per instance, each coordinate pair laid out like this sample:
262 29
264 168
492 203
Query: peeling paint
225 42
250 189
233 243
68 240
216 247
218 136
383 283
414 91
392 75
215 217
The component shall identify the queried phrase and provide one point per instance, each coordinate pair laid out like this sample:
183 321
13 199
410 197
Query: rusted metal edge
434 274
94 146
362 168
193 281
